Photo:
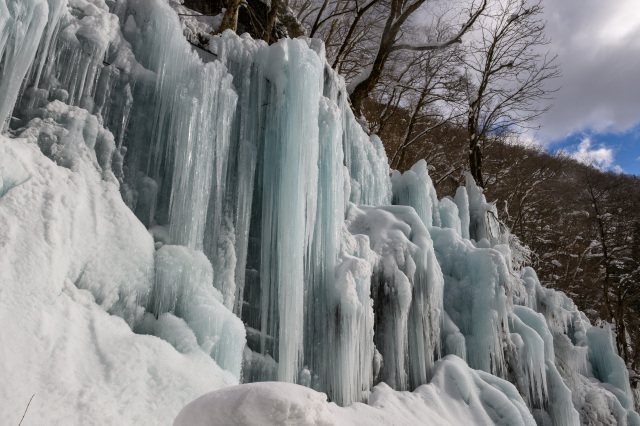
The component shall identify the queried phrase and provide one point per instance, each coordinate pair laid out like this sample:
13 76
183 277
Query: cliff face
279 246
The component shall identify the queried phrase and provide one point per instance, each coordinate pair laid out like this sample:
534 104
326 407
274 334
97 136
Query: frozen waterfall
229 203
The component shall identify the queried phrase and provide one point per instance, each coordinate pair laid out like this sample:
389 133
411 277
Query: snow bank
456 395
71 254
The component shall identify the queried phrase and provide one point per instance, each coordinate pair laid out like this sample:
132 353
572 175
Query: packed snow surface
76 269
175 222
456 395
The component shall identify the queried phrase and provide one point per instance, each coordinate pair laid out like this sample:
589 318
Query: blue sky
596 113
619 151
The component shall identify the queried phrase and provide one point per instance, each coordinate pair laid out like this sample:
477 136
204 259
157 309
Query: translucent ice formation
269 217
406 288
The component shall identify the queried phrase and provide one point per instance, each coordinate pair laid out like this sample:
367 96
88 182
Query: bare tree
398 12
507 69
272 14
431 98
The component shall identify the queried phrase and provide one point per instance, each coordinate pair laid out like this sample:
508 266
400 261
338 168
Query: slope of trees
507 71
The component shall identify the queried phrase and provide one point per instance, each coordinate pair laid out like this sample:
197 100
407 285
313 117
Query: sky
596 113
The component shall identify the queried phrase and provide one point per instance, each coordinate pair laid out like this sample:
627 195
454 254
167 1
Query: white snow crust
76 266
456 395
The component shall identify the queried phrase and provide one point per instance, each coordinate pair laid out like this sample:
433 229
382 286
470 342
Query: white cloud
598 47
601 157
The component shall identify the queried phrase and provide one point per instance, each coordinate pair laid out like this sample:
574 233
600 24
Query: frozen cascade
67 98
406 288
183 287
476 280
268 202
258 70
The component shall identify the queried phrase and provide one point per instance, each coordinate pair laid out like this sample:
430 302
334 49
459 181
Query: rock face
230 217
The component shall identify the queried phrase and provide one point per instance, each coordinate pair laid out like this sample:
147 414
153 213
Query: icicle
21 25
288 210
406 291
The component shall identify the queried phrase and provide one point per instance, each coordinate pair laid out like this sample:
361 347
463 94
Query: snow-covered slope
173 223
76 267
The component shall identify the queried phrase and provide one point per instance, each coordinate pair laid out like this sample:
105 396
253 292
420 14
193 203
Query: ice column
290 174
462 201
21 25
414 188
406 290
322 256
338 316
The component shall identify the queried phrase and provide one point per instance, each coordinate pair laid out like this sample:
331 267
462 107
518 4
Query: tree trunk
475 153
622 329
271 20
230 18
365 87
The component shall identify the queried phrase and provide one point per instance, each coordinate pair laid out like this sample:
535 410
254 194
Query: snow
76 269
445 401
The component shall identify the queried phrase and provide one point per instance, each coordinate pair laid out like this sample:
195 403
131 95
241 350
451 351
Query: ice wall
272 224
406 289
88 97
501 320
294 263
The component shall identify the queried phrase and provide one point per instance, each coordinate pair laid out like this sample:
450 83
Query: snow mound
74 256
262 403
456 395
